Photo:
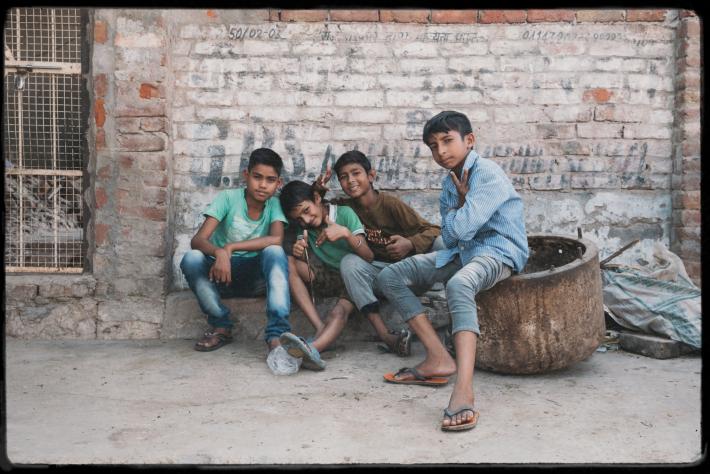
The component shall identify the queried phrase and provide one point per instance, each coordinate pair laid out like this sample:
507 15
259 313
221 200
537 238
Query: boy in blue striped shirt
483 228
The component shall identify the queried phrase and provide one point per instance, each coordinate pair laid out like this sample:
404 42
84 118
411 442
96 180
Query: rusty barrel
548 316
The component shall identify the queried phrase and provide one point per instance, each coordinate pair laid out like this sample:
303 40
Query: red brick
688 14
686 199
104 172
354 15
688 218
690 29
154 213
693 269
454 16
646 15
537 16
151 162
154 196
598 95
304 15
100 85
273 14
99 112
100 233
153 124
687 233
502 16
101 197
405 16
100 139
146 109
148 91
600 16
141 142
691 148
211 14
125 162
100 31
155 179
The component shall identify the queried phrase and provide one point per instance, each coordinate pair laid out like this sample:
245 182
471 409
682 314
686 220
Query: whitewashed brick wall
579 115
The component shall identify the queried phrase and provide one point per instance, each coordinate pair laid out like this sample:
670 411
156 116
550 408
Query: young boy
394 231
237 252
482 225
331 232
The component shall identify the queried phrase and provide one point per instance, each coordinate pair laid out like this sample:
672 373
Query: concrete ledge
652 346
184 319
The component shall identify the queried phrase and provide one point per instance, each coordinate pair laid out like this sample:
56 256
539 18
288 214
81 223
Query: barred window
43 145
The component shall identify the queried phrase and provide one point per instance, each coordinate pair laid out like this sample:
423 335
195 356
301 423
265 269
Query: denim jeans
359 275
251 276
462 284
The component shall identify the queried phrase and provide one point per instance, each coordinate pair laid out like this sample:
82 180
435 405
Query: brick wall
685 235
594 115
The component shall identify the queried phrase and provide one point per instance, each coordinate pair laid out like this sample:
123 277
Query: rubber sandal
403 347
464 426
223 339
418 379
298 347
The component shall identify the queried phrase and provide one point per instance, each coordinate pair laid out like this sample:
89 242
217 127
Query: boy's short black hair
293 194
353 156
446 121
265 156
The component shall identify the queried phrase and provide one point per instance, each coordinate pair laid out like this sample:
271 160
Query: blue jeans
397 282
251 276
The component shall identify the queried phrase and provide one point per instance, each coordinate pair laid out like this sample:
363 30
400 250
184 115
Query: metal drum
547 317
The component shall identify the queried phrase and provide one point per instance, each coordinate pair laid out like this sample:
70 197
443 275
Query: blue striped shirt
491 222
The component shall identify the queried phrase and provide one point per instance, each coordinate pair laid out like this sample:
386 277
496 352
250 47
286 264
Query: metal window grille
43 149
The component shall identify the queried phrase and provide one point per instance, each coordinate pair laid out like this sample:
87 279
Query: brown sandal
403 346
222 339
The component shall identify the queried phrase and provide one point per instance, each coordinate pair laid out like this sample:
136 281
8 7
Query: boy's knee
457 284
352 264
338 313
191 258
385 277
274 251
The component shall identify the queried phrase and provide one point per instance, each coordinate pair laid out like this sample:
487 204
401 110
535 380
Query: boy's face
262 182
449 149
308 214
354 180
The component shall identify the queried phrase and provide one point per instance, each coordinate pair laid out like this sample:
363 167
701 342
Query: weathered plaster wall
594 115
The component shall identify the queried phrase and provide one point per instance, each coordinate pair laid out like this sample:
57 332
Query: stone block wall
593 114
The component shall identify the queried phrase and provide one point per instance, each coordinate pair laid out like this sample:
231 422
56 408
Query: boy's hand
221 271
461 186
332 233
319 184
300 246
400 247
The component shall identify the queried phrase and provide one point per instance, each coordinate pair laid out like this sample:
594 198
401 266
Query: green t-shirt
230 209
331 253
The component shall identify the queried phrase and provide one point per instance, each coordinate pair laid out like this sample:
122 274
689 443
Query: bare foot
462 396
440 364
273 343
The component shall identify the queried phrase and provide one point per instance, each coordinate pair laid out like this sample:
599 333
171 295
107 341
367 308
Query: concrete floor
160 402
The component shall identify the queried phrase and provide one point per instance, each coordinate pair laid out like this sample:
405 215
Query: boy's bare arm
221 271
275 237
357 243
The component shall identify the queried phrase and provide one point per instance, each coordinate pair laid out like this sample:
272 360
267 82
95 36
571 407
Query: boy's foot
411 376
213 340
463 418
299 348
460 415
400 343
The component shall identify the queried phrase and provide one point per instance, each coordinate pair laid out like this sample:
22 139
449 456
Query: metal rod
618 252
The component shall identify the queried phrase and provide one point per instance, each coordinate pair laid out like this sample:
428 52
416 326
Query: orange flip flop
418 379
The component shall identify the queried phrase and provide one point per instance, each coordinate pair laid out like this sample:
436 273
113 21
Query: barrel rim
590 253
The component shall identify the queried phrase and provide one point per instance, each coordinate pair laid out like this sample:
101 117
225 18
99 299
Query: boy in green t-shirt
393 230
237 252
331 232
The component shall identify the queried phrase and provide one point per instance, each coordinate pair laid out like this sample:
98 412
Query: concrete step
652 346
184 319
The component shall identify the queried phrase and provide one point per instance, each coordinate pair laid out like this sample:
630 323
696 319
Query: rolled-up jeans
251 276
463 283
